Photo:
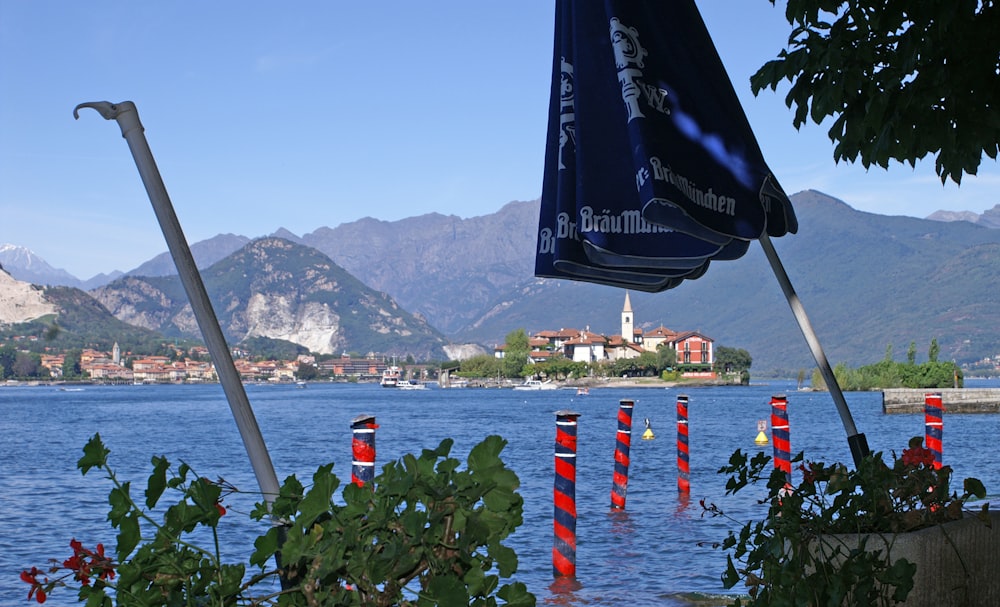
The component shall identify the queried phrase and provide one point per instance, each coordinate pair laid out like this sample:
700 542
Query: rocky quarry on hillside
21 301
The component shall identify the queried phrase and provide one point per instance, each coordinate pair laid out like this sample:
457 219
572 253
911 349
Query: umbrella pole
857 441
127 116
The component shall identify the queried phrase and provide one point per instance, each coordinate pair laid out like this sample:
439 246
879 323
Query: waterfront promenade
955 400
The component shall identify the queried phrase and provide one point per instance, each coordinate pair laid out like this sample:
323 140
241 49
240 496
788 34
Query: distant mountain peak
23 264
989 219
278 289
205 253
287 235
21 257
954 216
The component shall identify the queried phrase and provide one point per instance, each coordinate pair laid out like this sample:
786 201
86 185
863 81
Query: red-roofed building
585 347
110 372
651 340
540 356
694 349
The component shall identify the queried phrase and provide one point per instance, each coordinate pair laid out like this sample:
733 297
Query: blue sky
309 114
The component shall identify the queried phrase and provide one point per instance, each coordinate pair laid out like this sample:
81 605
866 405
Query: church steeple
628 321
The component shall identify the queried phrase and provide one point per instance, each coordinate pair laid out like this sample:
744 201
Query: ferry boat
391 377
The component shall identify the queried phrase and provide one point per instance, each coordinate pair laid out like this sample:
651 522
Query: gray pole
857 441
127 116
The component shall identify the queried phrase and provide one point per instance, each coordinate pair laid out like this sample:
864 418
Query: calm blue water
652 554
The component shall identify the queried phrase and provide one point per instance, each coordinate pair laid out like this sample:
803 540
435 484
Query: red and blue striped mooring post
564 496
781 440
623 442
683 447
934 425
363 449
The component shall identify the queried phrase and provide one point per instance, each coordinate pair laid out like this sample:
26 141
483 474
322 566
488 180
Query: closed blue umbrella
680 99
606 151
587 173
651 169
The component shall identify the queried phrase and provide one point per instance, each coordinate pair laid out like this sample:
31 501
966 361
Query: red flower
221 509
29 576
37 591
87 563
917 456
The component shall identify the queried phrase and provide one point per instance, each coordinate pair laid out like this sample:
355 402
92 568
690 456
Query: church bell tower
628 321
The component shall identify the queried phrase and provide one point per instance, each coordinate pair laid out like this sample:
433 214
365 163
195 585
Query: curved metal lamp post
127 116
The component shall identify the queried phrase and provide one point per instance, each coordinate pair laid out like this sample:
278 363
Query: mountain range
867 281
989 219
281 290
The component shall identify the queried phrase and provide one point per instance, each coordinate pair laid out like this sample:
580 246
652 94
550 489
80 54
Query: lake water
657 552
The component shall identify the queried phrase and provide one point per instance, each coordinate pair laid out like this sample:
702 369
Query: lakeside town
552 354
194 366
568 356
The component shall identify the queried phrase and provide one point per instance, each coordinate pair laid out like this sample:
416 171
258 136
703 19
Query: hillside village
695 351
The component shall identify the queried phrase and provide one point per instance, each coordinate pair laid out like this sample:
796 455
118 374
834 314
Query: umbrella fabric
567 228
693 147
606 170
619 204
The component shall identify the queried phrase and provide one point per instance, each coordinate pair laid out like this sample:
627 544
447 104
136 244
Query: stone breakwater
955 400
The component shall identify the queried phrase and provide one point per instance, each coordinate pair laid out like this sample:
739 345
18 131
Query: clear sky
306 114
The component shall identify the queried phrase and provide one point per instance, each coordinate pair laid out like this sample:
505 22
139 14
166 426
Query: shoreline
641 382
597 383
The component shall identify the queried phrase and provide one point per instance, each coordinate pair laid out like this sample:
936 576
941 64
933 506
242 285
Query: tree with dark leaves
900 79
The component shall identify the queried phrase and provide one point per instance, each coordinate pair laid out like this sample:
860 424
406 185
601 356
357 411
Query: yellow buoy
648 433
761 438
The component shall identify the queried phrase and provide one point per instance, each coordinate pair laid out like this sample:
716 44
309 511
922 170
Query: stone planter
958 563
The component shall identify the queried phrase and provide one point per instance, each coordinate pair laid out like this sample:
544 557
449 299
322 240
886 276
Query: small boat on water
391 377
410 385
534 384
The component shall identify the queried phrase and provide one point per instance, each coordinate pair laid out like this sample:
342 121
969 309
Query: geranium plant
423 532
788 559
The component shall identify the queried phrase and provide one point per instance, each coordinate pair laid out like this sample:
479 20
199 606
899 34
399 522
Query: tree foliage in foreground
423 533
901 79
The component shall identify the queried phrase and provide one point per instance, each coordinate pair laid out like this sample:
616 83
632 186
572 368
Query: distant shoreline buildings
695 351
113 368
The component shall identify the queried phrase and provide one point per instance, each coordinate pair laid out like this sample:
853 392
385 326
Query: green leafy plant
792 556
423 532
